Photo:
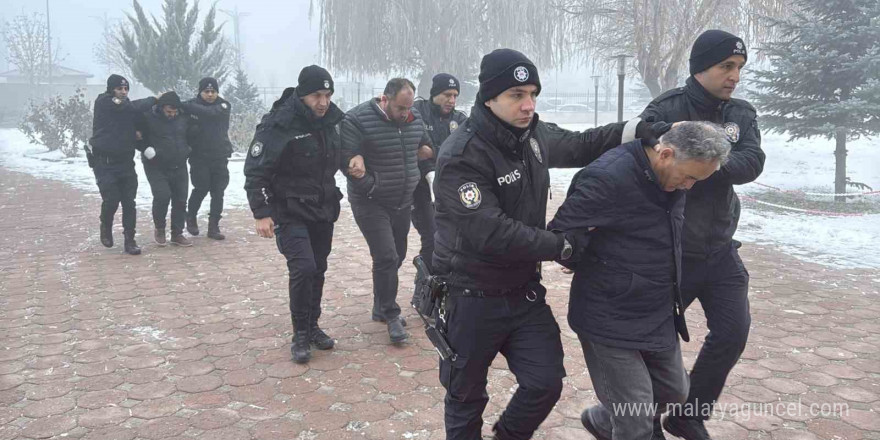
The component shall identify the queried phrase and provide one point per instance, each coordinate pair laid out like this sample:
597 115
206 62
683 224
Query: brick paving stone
163 355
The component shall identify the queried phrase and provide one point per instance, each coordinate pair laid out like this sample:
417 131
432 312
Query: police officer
289 179
711 267
164 161
491 197
112 158
440 118
211 148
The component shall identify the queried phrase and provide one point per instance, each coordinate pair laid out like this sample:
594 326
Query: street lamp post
621 75
596 100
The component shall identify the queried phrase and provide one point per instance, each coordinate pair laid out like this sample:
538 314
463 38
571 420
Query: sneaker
179 240
159 237
688 429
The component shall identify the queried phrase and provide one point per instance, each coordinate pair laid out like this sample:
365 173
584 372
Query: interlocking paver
193 342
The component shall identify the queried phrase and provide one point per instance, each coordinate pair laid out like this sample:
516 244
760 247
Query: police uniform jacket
390 155
491 193
113 126
625 288
712 209
209 129
438 126
290 166
167 137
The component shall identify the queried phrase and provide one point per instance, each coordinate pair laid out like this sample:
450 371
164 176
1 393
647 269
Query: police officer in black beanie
111 157
289 179
491 194
711 267
211 148
441 119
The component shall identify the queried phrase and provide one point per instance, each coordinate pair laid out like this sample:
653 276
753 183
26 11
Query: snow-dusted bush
59 124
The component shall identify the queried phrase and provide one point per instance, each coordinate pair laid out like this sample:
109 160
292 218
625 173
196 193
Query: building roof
57 71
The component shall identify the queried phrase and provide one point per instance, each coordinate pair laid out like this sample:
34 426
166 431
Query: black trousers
168 185
385 230
721 282
118 185
208 177
306 247
423 220
520 326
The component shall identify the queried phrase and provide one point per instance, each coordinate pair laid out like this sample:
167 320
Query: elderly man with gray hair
626 211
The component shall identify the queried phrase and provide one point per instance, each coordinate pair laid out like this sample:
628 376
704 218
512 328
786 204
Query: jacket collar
644 162
293 110
494 132
702 98
374 104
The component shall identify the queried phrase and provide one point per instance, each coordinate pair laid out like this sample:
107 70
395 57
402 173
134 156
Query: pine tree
824 81
164 55
242 94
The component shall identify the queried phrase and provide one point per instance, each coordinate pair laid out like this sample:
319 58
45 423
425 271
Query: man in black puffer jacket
383 141
712 268
441 119
111 157
289 179
626 210
165 164
211 148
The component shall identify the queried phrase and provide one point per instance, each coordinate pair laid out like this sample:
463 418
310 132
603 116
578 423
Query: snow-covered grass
834 241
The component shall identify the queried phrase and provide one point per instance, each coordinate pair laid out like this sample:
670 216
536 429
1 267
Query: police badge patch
536 148
521 74
326 84
224 106
452 126
470 195
256 149
117 101
732 132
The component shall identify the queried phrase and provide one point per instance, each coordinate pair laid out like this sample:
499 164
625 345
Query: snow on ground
833 241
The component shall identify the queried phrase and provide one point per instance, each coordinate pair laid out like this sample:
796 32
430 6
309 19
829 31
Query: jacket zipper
403 151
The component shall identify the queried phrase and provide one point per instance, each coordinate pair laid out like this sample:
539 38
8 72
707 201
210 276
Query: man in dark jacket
289 179
383 140
112 158
441 119
211 148
491 199
164 161
712 268
626 210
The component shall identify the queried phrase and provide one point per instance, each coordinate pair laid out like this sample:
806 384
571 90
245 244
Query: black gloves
650 132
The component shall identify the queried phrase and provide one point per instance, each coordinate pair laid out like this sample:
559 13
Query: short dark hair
395 85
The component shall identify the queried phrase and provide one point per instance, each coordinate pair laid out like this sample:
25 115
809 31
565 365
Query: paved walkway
193 343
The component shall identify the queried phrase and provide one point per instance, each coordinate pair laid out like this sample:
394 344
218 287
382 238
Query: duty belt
492 293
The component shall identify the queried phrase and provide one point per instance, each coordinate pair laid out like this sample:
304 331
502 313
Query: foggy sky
277 38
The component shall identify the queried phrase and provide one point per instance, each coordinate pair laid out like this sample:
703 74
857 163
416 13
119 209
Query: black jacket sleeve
260 166
572 149
486 227
746 160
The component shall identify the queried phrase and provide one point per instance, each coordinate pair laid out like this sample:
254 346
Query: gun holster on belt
429 296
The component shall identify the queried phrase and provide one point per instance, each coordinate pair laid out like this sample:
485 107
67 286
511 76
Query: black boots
300 349
131 247
214 229
192 225
396 331
107 234
321 340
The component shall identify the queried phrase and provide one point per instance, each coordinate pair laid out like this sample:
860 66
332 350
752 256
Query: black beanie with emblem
505 68
713 47
208 83
313 78
114 81
443 82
